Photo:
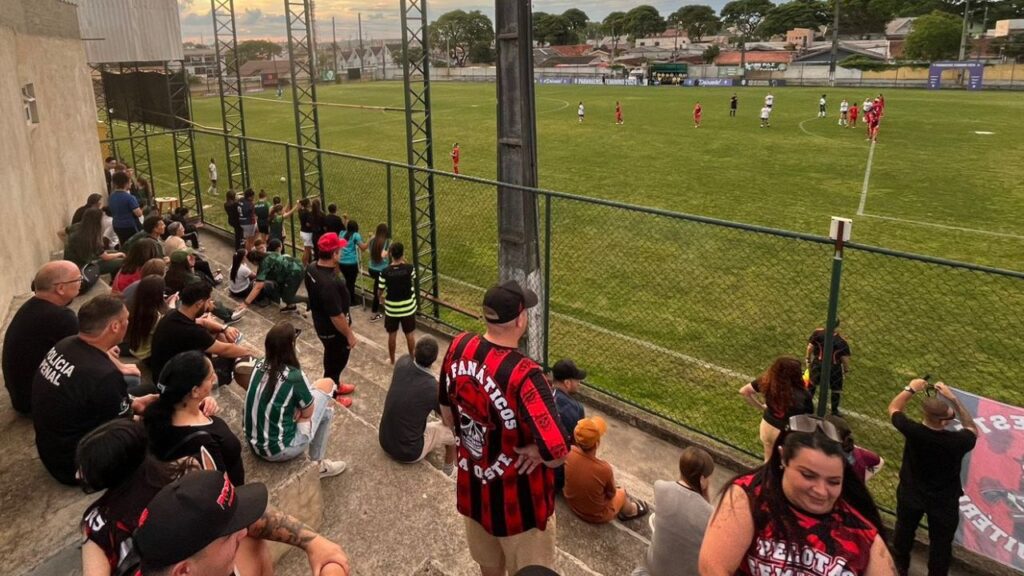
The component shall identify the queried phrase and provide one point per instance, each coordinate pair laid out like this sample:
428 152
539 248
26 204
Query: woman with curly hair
778 393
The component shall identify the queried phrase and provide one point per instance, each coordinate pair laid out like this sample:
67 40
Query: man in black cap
509 438
194 525
567 379
930 474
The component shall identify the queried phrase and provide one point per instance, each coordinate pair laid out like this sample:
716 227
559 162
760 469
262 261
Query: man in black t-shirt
328 301
404 432
930 474
840 363
80 384
191 328
37 326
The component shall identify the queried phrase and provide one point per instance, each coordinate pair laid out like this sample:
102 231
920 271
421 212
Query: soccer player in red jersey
503 412
456 155
874 121
618 112
854 112
697 112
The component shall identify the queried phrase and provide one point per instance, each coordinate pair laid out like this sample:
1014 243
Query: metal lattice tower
102 110
307 119
138 141
229 84
420 146
184 143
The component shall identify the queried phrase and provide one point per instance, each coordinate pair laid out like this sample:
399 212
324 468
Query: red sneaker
345 402
344 389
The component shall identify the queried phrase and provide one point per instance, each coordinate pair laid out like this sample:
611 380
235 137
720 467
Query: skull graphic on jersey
472 435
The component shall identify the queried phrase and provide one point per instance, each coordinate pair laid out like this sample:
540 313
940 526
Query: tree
857 17
643 21
415 53
710 53
745 17
553 29
697 20
795 14
934 37
257 50
577 21
459 30
481 53
614 24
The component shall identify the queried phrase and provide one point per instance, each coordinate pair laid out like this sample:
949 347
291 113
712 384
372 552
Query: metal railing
673 313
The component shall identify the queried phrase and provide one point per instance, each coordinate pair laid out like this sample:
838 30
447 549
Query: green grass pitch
673 315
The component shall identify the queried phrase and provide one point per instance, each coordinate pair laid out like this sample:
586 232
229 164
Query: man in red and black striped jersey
508 435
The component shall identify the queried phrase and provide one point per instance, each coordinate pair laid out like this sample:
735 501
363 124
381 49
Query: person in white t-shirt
213 177
241 276
769 101
844 112
766 112
821 106
579 112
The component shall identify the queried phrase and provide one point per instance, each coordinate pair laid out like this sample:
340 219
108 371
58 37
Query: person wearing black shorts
328 301
397 283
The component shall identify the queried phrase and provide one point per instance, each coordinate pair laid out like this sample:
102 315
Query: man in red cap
509 438
329 303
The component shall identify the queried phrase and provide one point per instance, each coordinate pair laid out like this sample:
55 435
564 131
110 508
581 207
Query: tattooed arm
280 527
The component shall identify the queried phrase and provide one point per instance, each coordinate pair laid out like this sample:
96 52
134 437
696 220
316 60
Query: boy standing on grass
766 112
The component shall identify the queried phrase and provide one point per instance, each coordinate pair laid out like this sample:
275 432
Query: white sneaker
330 468
238 313
218 277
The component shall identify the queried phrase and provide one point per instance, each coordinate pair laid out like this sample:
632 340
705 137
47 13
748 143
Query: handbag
90 276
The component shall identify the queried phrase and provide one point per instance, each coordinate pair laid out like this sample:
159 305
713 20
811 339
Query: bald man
38 325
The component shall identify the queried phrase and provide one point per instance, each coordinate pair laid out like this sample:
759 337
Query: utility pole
334 46
835 46
518 234
362 55
963 34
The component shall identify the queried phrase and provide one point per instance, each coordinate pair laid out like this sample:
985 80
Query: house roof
668 33
571 49
899 26
755 57
554 61
843 47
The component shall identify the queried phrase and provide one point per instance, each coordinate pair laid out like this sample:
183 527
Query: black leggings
943 518
375 274
351 274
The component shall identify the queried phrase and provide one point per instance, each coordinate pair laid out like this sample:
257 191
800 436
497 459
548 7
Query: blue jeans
320 430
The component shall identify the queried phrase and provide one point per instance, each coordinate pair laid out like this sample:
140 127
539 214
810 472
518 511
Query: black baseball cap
193 511
504 302
566 369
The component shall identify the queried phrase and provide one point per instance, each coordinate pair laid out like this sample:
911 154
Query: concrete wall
49 168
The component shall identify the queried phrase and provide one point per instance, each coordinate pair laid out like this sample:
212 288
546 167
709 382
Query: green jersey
269 421
280 268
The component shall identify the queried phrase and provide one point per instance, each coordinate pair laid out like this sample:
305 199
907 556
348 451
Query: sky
265 18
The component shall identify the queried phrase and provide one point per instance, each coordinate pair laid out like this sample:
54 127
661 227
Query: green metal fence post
825 380
291 202
547 279
391 228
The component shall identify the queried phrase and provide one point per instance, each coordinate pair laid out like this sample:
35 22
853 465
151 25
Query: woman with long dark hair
349 259
241 276
115 457
800 512
285 416
85 244
379 245
231 209
147 307
183 420
141 252
784 395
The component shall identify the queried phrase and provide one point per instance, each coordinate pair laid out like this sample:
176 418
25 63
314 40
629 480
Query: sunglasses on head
810 424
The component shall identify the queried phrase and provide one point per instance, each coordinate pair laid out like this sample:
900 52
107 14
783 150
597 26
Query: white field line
738 376
947 227
867 178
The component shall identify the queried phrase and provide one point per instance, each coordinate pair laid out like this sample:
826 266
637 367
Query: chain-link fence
675 313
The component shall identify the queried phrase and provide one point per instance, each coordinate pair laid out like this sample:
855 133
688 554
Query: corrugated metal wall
130 30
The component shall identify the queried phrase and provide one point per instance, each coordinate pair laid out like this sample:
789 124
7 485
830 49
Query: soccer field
673 315
946 177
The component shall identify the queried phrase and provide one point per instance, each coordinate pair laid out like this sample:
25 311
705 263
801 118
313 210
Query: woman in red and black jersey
802 512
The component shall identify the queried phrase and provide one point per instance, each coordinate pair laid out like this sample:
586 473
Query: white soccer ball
283 179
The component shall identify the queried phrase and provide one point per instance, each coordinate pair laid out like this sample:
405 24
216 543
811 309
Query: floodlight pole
835 46
963 33
229 87
518 247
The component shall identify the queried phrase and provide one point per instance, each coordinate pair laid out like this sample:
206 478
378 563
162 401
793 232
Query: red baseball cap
331 242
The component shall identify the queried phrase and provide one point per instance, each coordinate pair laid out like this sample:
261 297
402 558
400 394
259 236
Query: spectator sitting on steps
590 488
567 378
404 433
